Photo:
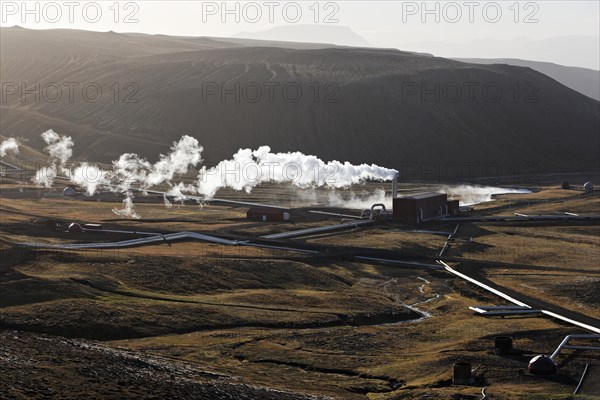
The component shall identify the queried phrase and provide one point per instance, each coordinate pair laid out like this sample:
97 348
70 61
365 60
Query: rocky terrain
37 366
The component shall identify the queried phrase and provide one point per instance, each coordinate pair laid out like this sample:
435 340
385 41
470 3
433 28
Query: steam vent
542 365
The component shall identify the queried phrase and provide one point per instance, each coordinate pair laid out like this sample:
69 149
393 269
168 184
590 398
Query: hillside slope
359 105
584 80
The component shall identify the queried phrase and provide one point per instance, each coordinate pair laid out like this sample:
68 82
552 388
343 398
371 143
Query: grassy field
247 322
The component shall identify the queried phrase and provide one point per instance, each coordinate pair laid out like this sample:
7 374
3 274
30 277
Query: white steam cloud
362 199
59 147
9 145
248 169
128 209
130 170
60 150
471 194
91 177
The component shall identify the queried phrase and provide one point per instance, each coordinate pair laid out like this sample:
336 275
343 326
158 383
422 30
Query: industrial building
420 207
267 214
453 207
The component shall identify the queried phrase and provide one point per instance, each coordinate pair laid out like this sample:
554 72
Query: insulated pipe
373 209
517 302
482 285
563 344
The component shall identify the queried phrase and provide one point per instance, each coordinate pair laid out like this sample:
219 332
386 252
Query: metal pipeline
517 302
563 344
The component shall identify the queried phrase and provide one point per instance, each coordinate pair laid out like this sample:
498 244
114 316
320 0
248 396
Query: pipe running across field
564 344
517 302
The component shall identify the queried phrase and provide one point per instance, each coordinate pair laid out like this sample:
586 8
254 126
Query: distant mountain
574 50
586 81
363 105
333 34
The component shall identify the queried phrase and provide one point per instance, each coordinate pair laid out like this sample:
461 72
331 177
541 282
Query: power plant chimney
395 186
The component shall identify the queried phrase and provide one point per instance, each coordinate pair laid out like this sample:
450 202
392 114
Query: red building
267 214
420 207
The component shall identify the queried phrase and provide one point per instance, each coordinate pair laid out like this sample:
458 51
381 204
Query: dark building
267 214
420 207
453 207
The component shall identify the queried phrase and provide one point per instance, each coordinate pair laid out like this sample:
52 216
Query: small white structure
69 191
588 186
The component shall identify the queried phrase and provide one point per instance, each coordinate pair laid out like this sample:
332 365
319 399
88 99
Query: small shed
267 214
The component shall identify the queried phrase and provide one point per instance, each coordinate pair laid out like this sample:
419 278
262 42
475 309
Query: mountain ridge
375 116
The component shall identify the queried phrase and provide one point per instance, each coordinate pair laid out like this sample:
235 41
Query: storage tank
462 374
542 365
75 228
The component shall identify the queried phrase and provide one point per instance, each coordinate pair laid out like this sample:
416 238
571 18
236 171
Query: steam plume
60 150
471 194
248 169
130 170
59 147
9 145
128 209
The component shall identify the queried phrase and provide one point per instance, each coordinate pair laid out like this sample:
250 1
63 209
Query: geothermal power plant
299 200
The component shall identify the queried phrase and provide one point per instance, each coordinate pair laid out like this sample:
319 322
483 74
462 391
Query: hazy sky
477 28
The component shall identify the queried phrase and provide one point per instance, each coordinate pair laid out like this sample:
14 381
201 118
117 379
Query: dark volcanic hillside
369 107
584 80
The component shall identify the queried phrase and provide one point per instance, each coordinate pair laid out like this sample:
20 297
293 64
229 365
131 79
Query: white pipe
319 229
497 308
482 285
450 237
563 344
582 348
517 302
577 323
508 312
395 186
